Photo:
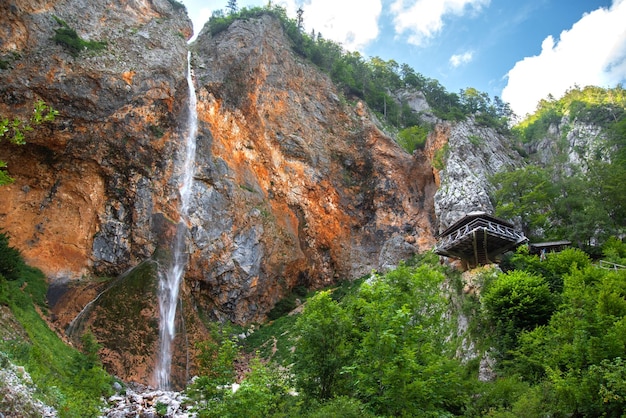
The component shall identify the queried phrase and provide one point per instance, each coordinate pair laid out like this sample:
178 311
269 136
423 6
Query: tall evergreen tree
232 7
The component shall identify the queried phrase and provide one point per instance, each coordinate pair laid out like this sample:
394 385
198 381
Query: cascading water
169 280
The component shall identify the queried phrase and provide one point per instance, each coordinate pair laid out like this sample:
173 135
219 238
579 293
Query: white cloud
353 23
423 19
457 60
592 52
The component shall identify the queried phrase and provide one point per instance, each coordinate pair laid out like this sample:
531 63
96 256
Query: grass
63 376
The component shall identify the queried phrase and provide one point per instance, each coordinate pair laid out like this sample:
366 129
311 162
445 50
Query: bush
517 301
413 138
69 39
342 406
282 307
10 259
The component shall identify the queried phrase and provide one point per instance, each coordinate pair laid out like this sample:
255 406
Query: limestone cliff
467 155
573 143
93 187
294 184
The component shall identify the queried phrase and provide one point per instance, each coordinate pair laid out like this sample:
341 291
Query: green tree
262 393
403 363
14 131
232 7
323 348
576 357
526 194
514 302
215 359
412 138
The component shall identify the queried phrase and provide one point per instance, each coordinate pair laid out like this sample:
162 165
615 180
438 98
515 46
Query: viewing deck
478 238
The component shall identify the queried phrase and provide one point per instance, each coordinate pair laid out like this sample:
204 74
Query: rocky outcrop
294 186
573 143
467 155
89 184
96 189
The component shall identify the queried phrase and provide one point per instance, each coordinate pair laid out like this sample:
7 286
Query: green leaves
322 349
14 131
518 301
386 346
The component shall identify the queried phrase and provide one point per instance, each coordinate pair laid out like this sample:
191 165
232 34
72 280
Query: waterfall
169 280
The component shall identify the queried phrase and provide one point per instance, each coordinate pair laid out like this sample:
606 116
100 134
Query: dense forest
533 337
411 343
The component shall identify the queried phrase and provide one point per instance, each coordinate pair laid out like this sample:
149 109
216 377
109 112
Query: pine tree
232 7
299 19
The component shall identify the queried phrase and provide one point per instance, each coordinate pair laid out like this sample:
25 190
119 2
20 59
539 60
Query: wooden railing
480 224
607 265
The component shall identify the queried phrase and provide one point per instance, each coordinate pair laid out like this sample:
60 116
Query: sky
521 51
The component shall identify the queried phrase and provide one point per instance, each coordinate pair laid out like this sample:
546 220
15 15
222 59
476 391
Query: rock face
95 189
293 185
469 154
574 143
89 184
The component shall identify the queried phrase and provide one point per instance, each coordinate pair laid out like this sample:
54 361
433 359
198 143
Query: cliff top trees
232 7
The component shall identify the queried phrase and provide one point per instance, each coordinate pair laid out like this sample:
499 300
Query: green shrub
72 42
10 259
412 138
514 302
282 307
439 160
341 406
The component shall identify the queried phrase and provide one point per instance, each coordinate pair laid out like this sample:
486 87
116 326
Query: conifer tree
232 7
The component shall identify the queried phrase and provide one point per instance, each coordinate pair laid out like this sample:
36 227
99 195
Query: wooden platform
479 238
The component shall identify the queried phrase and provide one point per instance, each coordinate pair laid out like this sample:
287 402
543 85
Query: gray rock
475 154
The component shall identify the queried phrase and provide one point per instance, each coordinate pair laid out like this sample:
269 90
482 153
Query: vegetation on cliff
376 81
578 192
66 379
14 131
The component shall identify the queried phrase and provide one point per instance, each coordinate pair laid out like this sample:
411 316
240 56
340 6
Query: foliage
385 346
614 250
517 301
322 348
585 204
440 157
72 42
526 194
215 360
72 382
10 259
341 406
412 138
15 130
593 105
261 394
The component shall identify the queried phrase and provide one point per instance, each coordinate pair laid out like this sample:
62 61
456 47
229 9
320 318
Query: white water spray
169 280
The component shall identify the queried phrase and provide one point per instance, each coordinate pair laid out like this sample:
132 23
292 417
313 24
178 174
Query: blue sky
518 50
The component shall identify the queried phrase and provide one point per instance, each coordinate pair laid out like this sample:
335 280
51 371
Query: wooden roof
469 218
